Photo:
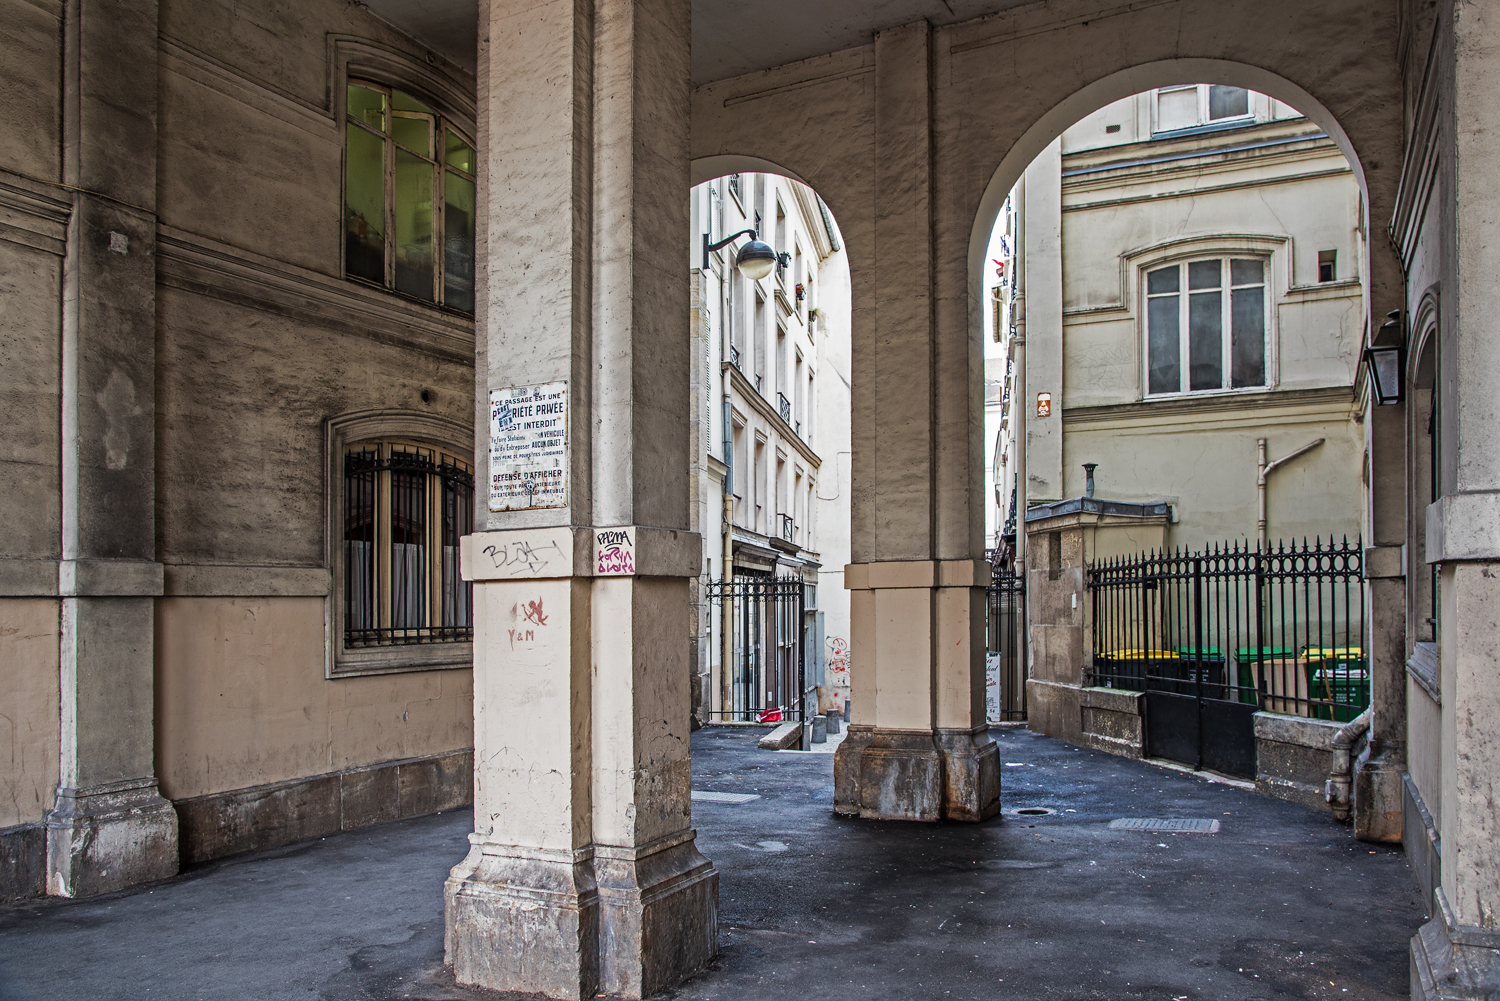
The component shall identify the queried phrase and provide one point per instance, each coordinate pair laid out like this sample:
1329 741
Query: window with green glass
409 197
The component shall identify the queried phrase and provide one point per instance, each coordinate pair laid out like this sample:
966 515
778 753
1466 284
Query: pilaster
109 826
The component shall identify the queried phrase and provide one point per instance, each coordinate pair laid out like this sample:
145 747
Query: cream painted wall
241 699
1205 465
28 709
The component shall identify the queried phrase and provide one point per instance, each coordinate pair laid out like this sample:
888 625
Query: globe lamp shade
756 260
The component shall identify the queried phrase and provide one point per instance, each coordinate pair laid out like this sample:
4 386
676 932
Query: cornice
33 214
195 264
1330 398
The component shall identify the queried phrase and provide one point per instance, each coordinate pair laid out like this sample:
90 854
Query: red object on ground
770 715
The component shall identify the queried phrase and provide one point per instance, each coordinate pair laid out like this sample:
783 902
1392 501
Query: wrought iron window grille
766 680
784 407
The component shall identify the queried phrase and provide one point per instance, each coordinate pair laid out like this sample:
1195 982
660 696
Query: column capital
916 573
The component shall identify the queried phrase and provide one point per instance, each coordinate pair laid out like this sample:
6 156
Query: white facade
1110 223
772 391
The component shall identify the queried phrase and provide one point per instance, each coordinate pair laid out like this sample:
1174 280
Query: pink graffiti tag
838 655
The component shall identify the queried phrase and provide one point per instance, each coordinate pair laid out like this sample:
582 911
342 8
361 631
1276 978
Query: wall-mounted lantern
1384 367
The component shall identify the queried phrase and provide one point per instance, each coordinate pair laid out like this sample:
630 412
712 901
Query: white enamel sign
529 447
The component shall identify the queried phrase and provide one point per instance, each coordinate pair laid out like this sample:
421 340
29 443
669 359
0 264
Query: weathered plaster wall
241 699
29 136
1204 461
28 709
1424 747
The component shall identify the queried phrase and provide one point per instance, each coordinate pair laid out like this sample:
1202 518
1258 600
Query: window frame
387 427
1204 103
1267 251
441 119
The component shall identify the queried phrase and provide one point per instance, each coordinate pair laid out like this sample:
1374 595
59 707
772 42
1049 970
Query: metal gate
1005 659
1214 637
766 676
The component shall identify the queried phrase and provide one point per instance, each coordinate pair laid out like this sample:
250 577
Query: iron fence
767 675
1006 662
1279 628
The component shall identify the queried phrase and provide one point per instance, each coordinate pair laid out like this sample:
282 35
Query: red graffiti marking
533 612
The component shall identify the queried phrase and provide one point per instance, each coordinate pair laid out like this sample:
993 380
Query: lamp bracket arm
710 248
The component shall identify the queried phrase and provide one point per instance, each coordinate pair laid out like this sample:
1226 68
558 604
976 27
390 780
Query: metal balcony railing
734 357
784 407
788 528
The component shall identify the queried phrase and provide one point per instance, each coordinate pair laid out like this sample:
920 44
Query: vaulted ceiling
729 38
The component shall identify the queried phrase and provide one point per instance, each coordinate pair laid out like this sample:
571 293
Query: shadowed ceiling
728 38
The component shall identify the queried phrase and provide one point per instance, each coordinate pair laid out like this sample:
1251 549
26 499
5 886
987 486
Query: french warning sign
529 447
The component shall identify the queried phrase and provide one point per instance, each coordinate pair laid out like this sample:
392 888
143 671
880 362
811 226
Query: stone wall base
1452 962
23 862
603 920
241 820
108 837
917 774
1053 708
1419 838
1111 721
1378 792
1293 758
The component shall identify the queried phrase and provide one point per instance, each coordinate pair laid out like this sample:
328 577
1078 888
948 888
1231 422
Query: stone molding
914 774
916 574
1385 562
22 578
1464 526
563 551
34 213
1453 962
195 264
213 580
1332 399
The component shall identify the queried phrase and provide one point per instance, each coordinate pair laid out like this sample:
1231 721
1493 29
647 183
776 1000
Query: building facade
1193 296
773 399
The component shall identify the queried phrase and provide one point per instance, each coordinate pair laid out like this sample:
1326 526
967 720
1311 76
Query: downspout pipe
1263 470
1337 788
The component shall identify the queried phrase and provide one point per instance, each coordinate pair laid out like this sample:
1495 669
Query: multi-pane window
1201 104
1206 325
409 197
405 508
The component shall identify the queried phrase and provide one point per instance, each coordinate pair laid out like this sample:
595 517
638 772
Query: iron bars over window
405 507
1278 627
766 678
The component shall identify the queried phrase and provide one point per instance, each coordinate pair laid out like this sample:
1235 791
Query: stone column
1377 786
583 877
110 826
918 746
1457 953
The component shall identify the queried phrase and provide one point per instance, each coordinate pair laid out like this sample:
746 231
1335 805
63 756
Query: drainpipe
1337 789
726 666
1018 397
1263 470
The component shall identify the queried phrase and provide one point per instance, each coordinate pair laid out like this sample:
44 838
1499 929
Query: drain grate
735 798
1155 824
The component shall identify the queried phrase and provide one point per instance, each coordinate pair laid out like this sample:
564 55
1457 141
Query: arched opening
771 473
1176 290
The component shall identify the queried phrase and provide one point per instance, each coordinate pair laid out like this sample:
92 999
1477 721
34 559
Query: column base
1378 792
109 837
523 922
1454 963
917 774
623 921
658 914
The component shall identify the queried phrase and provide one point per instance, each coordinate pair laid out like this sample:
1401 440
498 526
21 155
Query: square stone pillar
1062 539
109 826
918 746
582 877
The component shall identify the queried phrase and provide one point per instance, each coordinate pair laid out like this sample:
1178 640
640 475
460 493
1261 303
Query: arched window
409 197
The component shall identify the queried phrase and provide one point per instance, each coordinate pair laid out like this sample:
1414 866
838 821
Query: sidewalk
1280 903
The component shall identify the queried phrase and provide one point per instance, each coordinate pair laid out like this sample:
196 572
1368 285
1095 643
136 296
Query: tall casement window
405 507
1206 325
409 198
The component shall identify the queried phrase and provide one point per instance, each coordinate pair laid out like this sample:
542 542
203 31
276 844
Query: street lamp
755 259
1385 365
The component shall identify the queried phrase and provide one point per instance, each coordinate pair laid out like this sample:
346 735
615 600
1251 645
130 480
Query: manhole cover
1155 824
1031 811
736 798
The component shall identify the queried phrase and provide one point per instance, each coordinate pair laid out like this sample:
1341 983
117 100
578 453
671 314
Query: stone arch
1134 80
